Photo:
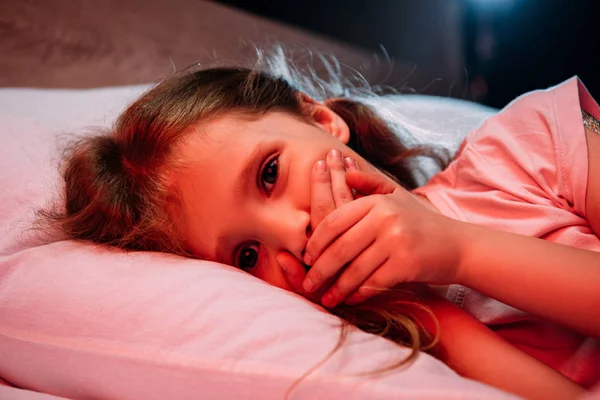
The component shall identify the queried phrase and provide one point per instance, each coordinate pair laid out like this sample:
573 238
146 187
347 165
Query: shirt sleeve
533 151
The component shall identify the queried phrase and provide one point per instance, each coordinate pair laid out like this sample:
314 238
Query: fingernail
321 166
335 154
350 163
308 285
308 259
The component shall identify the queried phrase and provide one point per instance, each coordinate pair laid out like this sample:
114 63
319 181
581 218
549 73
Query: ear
325 118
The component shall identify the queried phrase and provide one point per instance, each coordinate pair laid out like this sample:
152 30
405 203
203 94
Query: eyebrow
241 188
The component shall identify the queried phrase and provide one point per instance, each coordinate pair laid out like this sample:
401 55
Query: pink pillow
84 321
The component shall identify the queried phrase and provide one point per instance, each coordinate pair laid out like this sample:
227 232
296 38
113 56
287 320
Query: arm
476 352
557 282
415 244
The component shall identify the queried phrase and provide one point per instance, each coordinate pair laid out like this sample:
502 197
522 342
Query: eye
268 175
247 257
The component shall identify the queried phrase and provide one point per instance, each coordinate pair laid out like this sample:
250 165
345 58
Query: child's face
246 194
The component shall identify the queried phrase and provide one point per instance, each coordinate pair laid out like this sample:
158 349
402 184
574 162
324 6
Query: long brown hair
117 190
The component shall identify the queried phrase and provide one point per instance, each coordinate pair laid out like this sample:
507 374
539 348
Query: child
228 164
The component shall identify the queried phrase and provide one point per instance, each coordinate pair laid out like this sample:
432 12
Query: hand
328 191
379 241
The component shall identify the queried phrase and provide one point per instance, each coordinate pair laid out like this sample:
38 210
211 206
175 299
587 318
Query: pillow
13 393
85 321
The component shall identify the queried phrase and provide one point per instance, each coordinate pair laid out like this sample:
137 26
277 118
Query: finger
321 202
342 194
294 273
351 164
335 224
379 281
370 182
354 275
341 252
293 270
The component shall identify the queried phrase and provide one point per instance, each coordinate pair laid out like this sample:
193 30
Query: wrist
463 238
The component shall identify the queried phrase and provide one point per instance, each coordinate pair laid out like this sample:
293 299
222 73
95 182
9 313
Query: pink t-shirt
525 170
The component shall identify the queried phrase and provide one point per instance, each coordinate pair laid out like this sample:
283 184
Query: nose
287 229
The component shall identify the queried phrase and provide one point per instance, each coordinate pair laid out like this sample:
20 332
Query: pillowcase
86 321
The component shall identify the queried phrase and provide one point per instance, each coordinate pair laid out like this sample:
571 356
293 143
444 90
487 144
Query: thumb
293 270
369 182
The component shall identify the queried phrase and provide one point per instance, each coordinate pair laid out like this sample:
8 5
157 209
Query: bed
82 321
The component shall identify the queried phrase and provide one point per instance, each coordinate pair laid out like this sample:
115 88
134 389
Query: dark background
495 49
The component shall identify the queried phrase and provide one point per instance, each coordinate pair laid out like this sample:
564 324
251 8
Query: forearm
476 352
553 281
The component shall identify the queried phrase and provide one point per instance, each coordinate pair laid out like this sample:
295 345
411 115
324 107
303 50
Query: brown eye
248 257
269 174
